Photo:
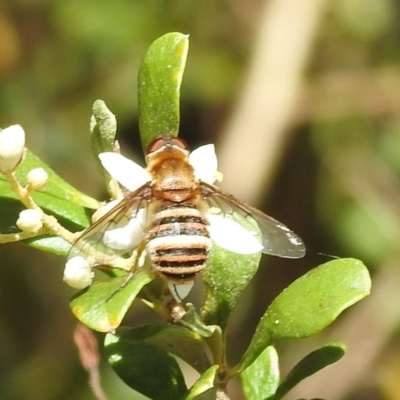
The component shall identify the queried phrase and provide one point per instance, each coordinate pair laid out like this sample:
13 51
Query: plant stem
50 223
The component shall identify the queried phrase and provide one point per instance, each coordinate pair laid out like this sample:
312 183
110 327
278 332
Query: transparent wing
117 232
277 239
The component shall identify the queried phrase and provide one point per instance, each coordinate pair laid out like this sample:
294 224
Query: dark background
303 104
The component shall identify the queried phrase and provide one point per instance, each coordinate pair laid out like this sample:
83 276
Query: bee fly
173 214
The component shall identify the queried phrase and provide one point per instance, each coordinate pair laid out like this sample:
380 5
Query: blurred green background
302 100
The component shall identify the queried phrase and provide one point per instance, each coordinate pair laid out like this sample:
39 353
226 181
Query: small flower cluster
32 221
12 149
126 235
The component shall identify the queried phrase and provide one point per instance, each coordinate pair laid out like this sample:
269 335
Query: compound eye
160 142
178 142
156 145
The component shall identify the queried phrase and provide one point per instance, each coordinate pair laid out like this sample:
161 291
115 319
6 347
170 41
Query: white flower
125 171
205 163
12 145
133 176
37 178
225 232
77 273
127 234
29 220
232 236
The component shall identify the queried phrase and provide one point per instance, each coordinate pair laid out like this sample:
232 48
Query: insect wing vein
92 244
277 239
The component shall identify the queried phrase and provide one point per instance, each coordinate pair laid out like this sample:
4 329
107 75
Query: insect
176 215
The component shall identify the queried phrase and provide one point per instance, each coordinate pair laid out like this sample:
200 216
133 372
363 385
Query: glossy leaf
261 379
204 388
310 304
225 278
145 368
159 81
311 364
58 198
52 244
176 340
56 186
103 305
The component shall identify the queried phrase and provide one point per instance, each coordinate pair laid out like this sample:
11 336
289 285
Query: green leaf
56 186
176 340
58 198
311 364
194 322
103 305
261 379
145 368
159 82
310 304
225 278
52 244
204 388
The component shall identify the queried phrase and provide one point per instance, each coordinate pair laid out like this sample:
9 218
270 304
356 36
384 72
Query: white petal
205 163
78 273
231 236
125 171
128 234
179 292
12 144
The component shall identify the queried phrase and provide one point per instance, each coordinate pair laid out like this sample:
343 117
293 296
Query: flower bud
37 178
29 220
12 144
77 273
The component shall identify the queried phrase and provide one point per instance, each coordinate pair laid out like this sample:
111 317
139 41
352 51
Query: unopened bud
37 178
77 273
12 144
29 220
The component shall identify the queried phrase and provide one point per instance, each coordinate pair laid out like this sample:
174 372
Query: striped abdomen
179 242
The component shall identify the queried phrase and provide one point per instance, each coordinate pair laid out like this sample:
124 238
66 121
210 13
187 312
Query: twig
89 355
257 131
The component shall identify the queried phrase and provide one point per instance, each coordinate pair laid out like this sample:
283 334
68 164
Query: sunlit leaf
103 305
58 198
56 186
204 388
261 379
159 81
310 304
311 364
52 244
